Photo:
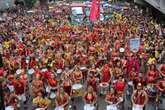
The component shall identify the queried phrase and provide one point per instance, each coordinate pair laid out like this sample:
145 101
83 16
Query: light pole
2 107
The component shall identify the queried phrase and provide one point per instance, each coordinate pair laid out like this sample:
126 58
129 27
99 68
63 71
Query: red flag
98 12
95 11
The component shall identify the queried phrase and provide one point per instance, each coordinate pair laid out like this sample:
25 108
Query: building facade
5 4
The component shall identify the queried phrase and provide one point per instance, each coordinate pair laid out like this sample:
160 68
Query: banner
77 11
134 44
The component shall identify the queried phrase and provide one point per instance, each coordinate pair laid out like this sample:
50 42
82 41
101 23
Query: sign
77 10
134 44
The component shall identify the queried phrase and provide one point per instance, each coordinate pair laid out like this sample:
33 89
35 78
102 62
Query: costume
89 98
139 100
111 98
67 86
93 83
162 68
106 75
19 89
152 75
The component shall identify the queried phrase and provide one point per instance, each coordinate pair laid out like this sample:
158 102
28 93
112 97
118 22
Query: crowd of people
49 62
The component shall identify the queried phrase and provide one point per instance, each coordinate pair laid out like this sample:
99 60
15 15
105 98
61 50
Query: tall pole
2 106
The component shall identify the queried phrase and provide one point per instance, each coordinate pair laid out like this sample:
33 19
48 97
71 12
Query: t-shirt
151 60
6 44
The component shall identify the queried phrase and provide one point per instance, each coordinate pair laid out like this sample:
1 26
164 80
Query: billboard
134 44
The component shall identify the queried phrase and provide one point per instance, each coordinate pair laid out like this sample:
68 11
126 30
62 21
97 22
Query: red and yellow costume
59 63
52 82
152 75
62 99
161 86
133 75
162 68
93 83
139 98
110 97
90 98
119 86
117 72
67 86
106 75
13 101
32 63
37 86
24 79
19 87
77 76
115 53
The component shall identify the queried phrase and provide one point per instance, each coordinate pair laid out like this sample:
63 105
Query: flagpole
2 106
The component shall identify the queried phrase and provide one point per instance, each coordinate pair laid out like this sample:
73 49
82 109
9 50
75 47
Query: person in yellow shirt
6 44
40 101
146 44
157 54
151 60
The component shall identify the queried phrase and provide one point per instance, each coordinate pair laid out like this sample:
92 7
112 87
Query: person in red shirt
117 44
111 97
24 77
115 53
19 89
139 97
52 85
1 72
119 86
37 85
90 96
161 91
65 75
118 69
23 62
162 69
59 62
48 74
152 73
133 74
161 85
77 75
52 82
92 81
14 101
32 62
62 99
106 74
67 84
